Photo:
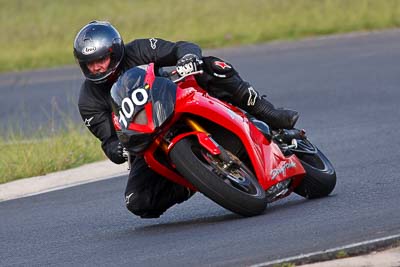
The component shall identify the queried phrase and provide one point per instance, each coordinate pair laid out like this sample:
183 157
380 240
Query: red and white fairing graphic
269 164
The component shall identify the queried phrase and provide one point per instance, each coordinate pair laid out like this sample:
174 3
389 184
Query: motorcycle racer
103 57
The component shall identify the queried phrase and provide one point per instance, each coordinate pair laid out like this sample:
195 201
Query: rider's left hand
187 64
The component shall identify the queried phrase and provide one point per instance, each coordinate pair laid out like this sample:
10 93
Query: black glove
119 150
117 153
187 64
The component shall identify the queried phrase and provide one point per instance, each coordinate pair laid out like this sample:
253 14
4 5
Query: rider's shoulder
88 86
90 90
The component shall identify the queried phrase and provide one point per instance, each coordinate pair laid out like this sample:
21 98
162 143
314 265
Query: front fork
128 157
228 158
203 137
163 144
195 126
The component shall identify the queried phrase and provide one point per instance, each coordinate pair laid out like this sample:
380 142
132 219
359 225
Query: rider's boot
259 107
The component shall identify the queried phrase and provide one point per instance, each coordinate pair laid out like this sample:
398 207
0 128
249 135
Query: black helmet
95 41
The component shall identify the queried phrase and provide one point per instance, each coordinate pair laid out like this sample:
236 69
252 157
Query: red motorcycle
213 147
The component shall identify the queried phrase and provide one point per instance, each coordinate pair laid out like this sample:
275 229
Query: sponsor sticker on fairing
282 170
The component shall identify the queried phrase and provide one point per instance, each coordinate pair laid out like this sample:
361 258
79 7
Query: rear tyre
320 179
234 188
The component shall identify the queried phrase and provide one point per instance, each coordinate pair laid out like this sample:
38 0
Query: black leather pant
223 83
148 194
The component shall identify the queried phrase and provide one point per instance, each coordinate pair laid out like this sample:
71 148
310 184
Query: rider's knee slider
139 204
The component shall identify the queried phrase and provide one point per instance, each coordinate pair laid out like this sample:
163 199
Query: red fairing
163 170
117 125
270 165
150 76
203 138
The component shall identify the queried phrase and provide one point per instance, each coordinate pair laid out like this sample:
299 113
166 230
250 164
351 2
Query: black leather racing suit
148 194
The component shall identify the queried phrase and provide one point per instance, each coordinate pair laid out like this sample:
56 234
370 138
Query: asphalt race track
347 90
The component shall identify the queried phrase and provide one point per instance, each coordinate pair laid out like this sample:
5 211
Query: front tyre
233 187
320 178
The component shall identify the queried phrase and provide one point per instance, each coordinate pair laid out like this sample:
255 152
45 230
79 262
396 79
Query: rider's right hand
187 64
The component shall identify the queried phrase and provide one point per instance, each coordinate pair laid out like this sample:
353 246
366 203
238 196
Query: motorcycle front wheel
233 187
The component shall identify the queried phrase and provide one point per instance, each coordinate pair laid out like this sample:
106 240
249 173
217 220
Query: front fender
204 139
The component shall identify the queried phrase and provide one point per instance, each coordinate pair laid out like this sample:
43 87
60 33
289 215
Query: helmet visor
98 70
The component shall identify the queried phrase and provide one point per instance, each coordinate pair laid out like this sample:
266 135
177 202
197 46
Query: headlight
141 118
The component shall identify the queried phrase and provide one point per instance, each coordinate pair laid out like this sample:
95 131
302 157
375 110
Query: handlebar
173 73
183 77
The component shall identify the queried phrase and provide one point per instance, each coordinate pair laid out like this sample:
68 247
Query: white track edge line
301 256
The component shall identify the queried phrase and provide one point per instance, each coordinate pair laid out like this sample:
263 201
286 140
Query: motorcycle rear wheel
235 189
320 179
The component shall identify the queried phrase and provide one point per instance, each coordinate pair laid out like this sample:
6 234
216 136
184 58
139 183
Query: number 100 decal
129 104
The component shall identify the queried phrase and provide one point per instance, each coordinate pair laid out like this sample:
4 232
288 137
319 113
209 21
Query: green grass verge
47 153
40 33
